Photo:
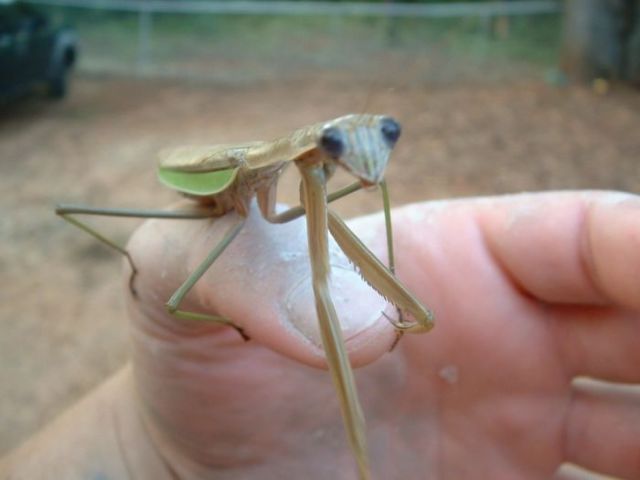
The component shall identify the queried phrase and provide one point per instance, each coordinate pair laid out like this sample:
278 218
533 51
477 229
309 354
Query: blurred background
495 97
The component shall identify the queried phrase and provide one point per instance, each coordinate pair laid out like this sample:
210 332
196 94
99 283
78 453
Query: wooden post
144 38
599 39
631 39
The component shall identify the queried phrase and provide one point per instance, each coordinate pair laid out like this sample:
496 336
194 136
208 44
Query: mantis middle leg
175 300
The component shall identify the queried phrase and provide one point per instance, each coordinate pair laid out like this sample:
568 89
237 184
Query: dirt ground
63 327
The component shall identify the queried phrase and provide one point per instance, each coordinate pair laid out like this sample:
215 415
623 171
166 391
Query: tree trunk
601 39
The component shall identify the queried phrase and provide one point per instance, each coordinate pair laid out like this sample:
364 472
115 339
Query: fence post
145 27
487 25
599 39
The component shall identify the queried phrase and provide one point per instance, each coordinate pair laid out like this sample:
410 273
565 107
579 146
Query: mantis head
361 144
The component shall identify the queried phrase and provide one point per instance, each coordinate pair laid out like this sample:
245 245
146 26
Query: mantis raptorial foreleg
379 277
315 204
266 199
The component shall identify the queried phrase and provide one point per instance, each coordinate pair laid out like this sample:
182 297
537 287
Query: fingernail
357 305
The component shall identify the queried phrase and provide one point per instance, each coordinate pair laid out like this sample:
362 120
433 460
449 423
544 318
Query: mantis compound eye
390 130
332 142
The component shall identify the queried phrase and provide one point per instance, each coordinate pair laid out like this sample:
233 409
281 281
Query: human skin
529 291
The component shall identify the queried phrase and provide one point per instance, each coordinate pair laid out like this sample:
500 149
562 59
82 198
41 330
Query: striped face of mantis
361 144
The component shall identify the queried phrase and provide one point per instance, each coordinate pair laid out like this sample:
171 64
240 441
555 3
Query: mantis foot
400 327
132 287
203 317
132 276
240 330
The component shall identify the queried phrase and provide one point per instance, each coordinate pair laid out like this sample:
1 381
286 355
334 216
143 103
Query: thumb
261 282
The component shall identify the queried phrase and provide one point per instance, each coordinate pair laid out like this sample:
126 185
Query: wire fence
248 41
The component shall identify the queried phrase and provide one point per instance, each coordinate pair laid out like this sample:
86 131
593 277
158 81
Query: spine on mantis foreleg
380 278
314 199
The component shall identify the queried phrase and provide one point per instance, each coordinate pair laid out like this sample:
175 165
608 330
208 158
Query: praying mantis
225 178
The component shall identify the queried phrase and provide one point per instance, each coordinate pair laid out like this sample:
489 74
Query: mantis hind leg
106 241
67 212
175 300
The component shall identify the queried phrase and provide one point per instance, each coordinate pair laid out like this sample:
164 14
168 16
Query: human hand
529 291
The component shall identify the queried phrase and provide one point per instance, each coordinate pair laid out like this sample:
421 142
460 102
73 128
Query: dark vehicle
33 52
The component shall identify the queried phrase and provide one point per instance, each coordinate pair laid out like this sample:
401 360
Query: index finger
570 248
570 262
580 254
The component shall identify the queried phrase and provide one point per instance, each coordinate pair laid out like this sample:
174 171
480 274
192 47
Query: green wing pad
198 183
